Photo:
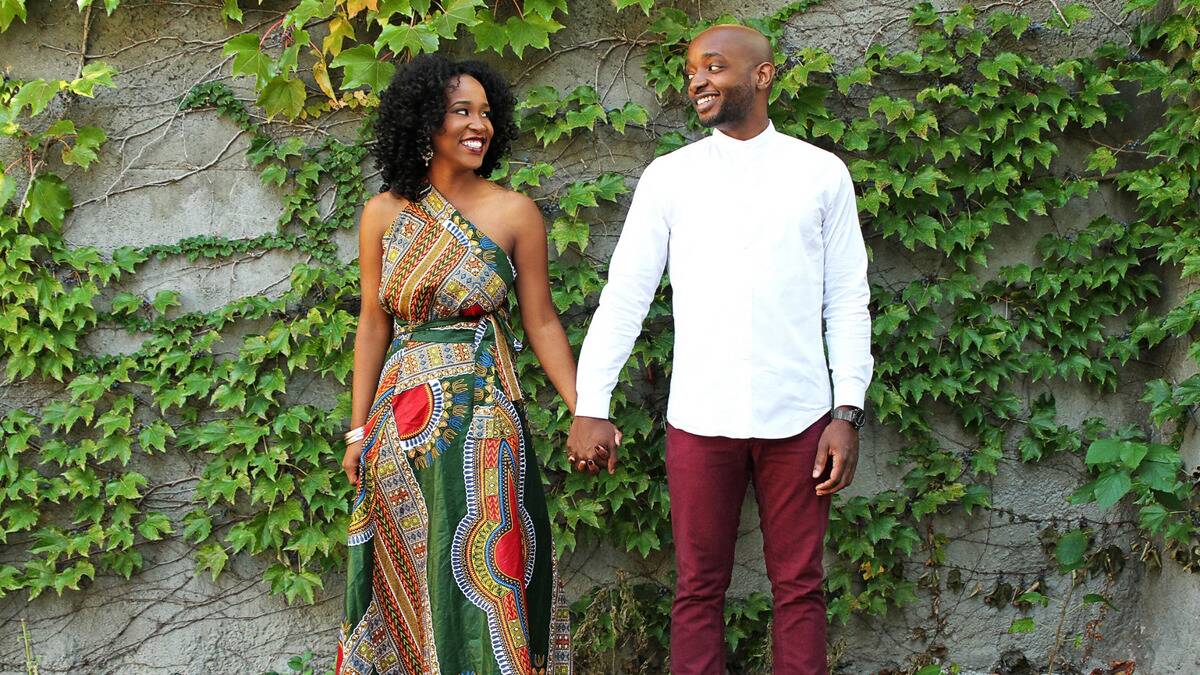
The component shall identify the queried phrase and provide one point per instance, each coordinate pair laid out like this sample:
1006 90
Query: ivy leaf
644 4
248 59
1158 475
109 5
1023 624
320 71
302 584
353 7
124 563
164 300
544 99
127 258
531 174
88 510
318 481
227 398
281 517
1133 453
308 541
360 67
414 39
880 528
976 495
93 75
534 31
456 13
1102 160
1015 23
10 9
197 526
609 185
307 10
567 231
669 142
34 94
339 30
211 557
230 10
630 113
155 435
545 8
155 526
283 95
49 199
489 34
1069 550
1153 518
1105 451
114 421
1111 487
126 487
274 174
8 187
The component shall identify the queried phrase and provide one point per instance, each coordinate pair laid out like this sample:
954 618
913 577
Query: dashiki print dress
451 569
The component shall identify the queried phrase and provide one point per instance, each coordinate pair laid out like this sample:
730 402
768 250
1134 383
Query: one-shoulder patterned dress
451 569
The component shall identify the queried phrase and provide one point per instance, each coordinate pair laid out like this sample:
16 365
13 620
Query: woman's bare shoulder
380 211
517 208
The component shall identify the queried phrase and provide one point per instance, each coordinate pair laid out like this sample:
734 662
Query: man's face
720 78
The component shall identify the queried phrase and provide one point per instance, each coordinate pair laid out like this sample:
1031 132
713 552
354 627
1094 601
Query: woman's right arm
374 332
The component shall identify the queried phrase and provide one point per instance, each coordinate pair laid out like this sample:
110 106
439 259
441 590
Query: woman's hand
592 444
350 462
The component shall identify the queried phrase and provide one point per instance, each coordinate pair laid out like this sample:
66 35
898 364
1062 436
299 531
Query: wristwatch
855 416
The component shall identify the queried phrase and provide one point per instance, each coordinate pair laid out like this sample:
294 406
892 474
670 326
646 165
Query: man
763 240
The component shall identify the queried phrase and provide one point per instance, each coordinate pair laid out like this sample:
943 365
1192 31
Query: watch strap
855 416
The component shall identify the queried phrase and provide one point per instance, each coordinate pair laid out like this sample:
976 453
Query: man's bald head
750 43
730 69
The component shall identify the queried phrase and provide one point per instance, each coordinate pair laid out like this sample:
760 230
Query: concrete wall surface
165 175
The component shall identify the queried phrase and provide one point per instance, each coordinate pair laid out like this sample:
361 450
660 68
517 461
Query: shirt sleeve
846 294
634 273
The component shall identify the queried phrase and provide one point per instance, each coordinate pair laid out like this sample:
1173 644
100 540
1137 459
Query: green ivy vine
956 136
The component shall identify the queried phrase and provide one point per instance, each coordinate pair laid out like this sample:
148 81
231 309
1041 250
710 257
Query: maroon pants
707 478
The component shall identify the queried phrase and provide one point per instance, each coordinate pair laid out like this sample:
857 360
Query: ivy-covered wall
180 187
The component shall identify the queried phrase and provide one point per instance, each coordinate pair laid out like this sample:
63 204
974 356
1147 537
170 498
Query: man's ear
764 75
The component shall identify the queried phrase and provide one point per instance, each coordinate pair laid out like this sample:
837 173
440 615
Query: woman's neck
453 180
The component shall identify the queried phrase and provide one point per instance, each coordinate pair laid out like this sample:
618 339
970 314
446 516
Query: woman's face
467 128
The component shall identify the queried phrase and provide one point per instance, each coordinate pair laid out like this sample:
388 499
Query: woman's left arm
538 315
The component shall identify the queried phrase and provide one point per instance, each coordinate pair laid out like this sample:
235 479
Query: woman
451 567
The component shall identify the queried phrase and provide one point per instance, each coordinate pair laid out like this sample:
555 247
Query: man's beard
735 106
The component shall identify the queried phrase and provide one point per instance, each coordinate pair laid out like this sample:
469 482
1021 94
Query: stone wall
165 175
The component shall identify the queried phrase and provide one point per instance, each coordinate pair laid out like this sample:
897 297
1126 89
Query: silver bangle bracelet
355 435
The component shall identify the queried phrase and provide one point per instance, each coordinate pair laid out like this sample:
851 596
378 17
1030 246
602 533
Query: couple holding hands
451 568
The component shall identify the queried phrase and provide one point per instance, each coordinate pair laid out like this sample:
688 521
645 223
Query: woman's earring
427 154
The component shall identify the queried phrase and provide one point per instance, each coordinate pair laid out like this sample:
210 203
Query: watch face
855 416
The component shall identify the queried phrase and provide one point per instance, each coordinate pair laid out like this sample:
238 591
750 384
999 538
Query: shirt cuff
592 405
849 392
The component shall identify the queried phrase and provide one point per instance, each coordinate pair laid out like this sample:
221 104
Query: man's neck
746 128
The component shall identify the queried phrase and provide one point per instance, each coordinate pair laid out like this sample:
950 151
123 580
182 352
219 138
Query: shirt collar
727 142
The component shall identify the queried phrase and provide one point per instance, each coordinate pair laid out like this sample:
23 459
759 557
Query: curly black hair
413 107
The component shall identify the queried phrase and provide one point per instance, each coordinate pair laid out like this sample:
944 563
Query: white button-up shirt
763 241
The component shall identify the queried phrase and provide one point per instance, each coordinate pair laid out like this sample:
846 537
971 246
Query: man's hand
592 443
839 444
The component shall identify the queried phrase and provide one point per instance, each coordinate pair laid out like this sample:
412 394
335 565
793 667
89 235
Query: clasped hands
591 444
